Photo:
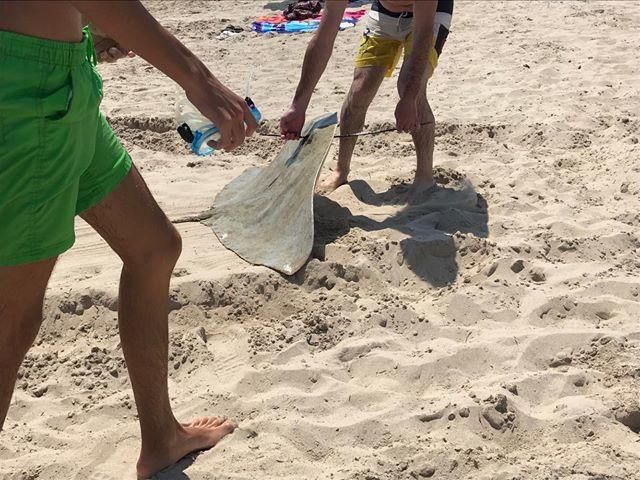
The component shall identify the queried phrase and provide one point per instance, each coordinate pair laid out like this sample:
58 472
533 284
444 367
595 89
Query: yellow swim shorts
387 34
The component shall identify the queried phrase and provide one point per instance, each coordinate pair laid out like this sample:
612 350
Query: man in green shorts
58 159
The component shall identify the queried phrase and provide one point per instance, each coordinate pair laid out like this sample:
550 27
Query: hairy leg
365 85
21 295
135 227
424 140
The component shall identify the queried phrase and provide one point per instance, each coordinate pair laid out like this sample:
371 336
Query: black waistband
444 6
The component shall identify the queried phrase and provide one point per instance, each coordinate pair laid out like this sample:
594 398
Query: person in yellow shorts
417 28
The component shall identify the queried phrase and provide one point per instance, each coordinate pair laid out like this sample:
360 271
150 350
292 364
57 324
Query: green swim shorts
58 155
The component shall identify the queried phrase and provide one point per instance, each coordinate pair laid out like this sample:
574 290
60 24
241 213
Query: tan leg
424 140
365 85
21 295
135 227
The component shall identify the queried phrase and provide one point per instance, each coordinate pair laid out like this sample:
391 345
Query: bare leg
423 139
135 227
21 296
366 82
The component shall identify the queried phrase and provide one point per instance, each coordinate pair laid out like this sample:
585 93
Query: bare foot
335 180
420 191
201 434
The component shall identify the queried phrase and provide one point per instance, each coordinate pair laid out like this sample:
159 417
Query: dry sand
490 333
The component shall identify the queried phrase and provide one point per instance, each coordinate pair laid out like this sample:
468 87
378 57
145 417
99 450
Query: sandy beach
490 333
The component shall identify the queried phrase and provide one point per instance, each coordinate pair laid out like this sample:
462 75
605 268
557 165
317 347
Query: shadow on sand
177 471
426 243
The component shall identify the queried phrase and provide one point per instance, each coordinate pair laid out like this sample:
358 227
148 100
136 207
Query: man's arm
412 75
316 58
130 24
107 49
319 52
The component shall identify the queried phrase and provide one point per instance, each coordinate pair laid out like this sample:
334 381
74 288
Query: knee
159 253
424 110
21 327
355 104
172 246
358 99
429 115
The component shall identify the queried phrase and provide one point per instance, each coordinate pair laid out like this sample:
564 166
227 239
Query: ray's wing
266 214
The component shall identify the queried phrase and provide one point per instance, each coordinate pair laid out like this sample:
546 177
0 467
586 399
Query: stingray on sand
266 214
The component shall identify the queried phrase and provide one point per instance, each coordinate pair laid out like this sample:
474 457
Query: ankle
162 438
424 177
341 174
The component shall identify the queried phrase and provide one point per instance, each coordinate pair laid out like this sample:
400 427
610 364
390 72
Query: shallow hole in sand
630 419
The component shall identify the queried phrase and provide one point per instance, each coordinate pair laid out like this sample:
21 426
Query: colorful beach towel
279 24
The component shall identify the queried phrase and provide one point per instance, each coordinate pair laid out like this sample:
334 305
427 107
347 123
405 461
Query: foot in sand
335 180
420 191
201 434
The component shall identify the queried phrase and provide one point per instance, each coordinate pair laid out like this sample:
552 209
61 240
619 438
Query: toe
217 422
212 422
201 421
196 422
228 426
